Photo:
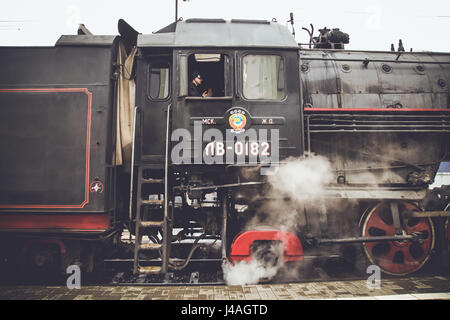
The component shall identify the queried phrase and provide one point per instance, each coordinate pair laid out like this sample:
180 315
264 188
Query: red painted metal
72 222
241 249
375 109
386 260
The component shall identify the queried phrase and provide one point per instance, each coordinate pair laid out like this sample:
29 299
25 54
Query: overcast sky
422 25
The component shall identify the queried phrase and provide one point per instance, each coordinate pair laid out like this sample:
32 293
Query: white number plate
238 148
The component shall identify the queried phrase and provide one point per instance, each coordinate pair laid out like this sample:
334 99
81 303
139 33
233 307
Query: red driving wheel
397 257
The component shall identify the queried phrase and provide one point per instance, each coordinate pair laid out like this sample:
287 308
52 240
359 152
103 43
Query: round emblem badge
97 187
237 122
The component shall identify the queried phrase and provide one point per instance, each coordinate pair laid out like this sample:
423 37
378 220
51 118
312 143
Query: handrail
166 236
166 163
136 109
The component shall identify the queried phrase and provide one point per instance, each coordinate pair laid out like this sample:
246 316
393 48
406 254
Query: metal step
151 224
150 269
152 182
153 202
150 246
144 164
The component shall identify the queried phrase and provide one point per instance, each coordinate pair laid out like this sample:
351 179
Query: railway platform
435 287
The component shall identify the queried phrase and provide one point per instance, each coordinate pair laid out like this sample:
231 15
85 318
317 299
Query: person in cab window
196 88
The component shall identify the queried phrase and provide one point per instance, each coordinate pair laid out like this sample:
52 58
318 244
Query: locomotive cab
211 152
251 71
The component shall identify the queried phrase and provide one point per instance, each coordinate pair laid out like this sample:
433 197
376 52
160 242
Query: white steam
243 272
302 181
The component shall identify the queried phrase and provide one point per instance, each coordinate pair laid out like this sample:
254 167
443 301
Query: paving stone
427 287
432 296
83 297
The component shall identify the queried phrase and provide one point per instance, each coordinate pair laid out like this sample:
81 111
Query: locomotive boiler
99 134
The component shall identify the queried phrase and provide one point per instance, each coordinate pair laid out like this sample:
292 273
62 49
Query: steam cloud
302 181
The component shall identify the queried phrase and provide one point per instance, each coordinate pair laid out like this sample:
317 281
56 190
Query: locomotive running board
360 193
374 193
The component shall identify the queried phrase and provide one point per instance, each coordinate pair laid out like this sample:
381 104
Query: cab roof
220 33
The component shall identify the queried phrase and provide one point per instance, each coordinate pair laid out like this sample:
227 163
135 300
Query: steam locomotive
99 134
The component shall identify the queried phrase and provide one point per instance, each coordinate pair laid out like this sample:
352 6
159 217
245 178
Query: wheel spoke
379 223
422 225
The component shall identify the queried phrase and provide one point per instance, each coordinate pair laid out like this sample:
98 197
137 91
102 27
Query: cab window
263 77
158 80
214 71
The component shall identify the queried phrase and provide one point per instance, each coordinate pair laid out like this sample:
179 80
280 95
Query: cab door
154 97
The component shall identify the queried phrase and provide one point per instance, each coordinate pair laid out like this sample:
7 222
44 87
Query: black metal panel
56 113
73 66
46 140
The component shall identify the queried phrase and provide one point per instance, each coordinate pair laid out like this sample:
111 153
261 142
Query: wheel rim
397 257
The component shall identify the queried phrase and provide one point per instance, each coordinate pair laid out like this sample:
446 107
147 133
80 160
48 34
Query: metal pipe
368 239
224 227
367 131
408 114
204 238
431 214
321 50
301 95
133 146
225 186
374 60
308 133
166 229
176 10
356 125
352 121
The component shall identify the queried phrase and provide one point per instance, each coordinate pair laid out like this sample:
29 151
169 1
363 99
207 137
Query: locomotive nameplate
239 148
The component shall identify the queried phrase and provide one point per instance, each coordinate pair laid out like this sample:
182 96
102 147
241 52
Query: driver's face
198 80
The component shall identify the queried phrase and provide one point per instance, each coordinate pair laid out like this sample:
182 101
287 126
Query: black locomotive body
99 134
